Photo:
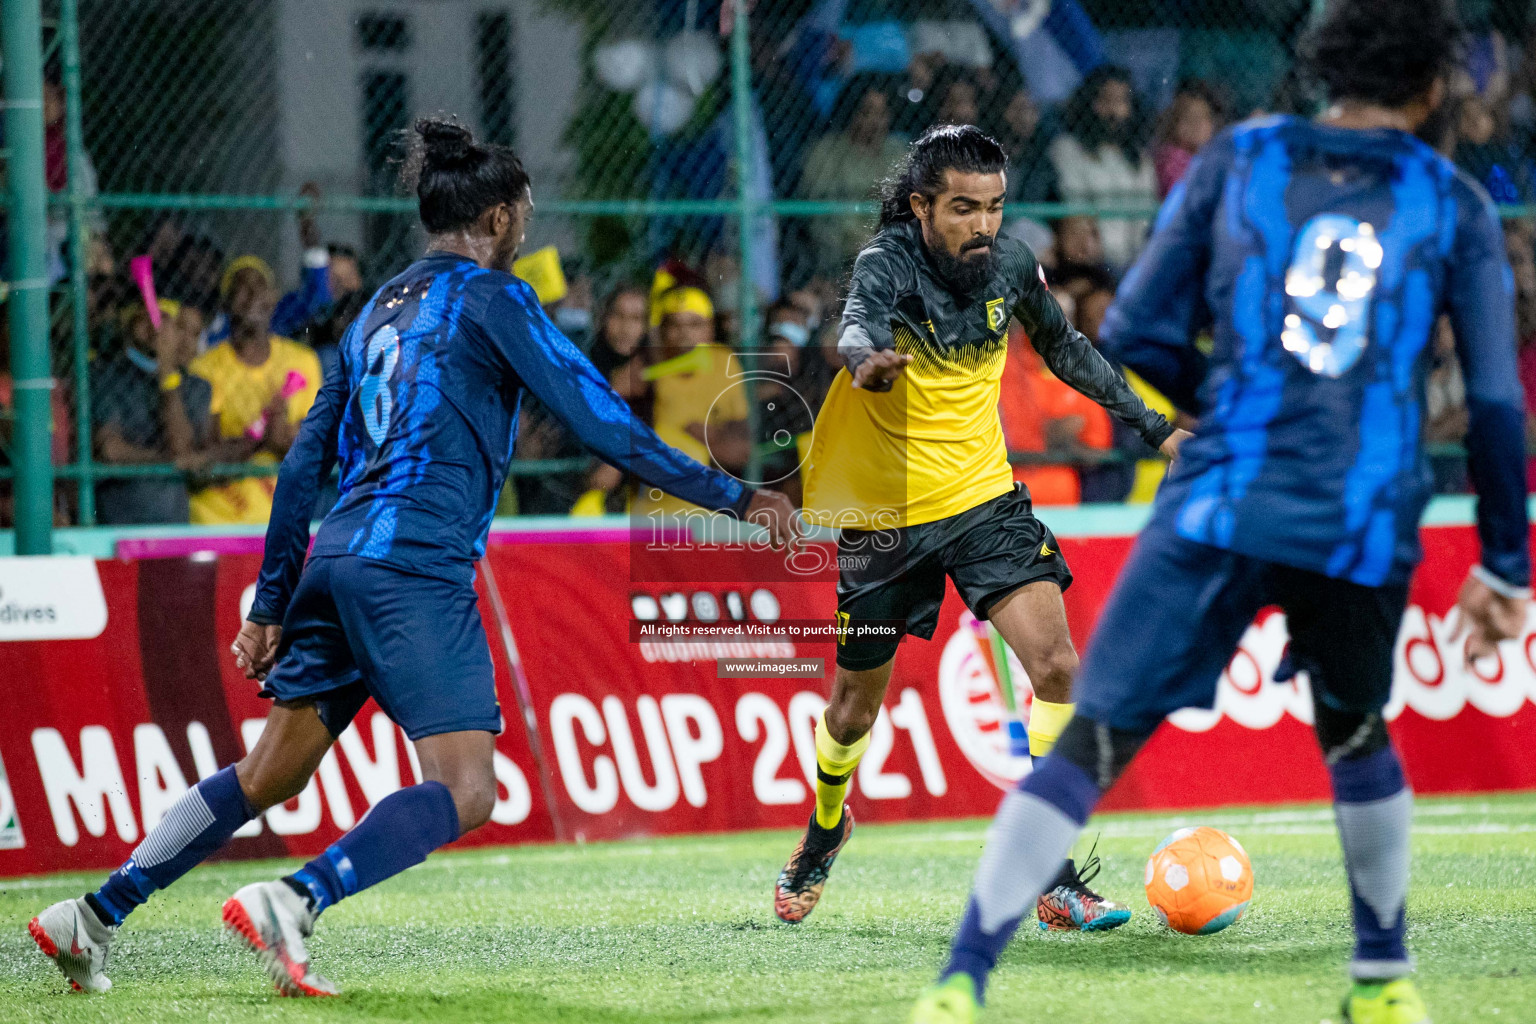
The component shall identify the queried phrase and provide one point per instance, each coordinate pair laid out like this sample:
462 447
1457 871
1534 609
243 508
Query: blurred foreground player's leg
1342 636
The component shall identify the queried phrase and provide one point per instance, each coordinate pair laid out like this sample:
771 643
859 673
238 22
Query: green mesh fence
657 133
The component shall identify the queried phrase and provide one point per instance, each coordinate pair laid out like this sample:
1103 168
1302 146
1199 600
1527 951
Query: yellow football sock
1046 722
834 768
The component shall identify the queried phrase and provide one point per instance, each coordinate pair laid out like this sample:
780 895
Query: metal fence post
747 211
74 141
21 41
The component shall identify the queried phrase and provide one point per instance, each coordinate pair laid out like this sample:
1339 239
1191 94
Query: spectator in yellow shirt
263 385
700 398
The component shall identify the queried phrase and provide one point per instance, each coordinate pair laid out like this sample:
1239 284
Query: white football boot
273 921
71 935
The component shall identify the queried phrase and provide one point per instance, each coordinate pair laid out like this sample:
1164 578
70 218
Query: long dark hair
455 179
1080 120
962 147
603 355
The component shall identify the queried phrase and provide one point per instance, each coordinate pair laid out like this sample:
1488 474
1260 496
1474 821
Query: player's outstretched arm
304 470
1073 358
565 380
1481 306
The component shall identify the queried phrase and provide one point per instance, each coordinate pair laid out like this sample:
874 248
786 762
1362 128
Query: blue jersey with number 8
422 417
1320 260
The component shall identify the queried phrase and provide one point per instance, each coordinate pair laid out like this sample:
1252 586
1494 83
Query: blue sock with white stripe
1374 810
1033 832
199 823
396 834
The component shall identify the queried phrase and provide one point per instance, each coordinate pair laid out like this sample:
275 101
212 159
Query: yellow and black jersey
931 445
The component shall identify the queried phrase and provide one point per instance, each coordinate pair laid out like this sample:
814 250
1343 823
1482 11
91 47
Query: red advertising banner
644 737
100 736
613 730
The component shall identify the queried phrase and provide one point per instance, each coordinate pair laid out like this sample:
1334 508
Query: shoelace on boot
1087 872
809 865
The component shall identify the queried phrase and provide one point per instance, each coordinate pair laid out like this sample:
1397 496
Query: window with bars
495 76
386 98
381 31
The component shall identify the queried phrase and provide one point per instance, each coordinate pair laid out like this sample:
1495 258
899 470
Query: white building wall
321 69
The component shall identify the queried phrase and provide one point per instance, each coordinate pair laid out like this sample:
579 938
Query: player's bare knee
856 697
851 723
1051 673
474 795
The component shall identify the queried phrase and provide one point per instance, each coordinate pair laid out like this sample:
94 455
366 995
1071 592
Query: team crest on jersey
997 316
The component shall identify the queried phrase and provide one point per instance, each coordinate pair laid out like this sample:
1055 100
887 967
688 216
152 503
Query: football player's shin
198 824
1374 810
835 763
396 834
1046 723
1030 837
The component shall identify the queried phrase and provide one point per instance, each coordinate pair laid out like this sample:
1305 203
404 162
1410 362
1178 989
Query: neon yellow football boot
1396 1002
951 1001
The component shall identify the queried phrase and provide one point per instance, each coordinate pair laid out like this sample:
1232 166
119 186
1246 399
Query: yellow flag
541 268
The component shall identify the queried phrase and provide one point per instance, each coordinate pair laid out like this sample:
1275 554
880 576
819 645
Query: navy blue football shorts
1179 608
358 628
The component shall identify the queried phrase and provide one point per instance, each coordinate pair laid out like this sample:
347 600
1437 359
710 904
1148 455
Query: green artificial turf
683 930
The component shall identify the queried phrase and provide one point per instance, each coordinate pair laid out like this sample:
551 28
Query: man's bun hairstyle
1387 52
456 179
960 147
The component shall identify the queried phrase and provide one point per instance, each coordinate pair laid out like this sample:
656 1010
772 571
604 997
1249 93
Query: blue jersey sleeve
304 471
1480 298
575 393
1160 306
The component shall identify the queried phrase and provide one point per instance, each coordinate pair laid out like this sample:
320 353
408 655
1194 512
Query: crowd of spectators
236 360
212 382
838 110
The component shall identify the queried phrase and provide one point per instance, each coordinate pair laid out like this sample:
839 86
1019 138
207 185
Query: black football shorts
896 576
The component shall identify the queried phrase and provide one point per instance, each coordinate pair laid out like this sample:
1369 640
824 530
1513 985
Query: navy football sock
1026 845
199 823
397 833
1374 810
